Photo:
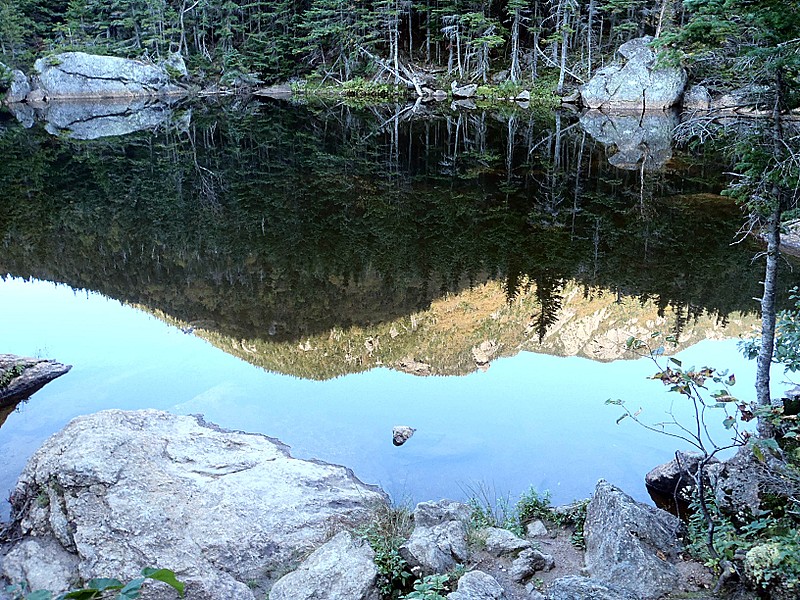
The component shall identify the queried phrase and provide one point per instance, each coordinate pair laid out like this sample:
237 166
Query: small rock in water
401 433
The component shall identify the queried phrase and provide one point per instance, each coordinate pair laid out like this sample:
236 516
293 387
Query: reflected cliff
273 229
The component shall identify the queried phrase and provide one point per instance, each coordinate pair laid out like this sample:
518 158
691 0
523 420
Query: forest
557 43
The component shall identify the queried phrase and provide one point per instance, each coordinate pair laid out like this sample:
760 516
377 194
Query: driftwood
22 377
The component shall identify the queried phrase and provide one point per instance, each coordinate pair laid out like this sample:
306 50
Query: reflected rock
637 138
93 120
467 104
23 113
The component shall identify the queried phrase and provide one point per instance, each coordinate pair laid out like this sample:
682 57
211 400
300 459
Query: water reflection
322 241
278 223
532 419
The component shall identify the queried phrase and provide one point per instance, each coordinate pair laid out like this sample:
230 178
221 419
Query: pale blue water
530 420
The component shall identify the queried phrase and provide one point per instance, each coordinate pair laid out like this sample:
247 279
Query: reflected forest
279 221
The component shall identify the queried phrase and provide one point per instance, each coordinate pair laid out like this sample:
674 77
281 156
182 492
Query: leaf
729 422
166 576
39 595
86 594
104 583
621 418
676 362
731 380
131 591
758 453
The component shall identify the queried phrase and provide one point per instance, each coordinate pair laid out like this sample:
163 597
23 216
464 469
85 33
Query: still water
273 268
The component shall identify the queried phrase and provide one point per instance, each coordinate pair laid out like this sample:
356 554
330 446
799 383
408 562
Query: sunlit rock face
117 491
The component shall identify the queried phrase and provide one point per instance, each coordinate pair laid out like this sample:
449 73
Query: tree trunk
515 46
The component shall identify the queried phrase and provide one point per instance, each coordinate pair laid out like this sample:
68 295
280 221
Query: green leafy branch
103 588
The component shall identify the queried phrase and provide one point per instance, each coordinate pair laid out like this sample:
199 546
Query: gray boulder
501 542
697 97
536 529
630 544
636 140
340 568
439 539
676 477
117 491
636 82
176 66
477 585
529 562
463 91
81 75
19 89
584 588
22 377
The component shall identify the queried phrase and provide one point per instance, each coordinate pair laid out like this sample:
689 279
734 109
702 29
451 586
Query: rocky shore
236 517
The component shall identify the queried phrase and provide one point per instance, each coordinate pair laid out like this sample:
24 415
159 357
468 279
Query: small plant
389 528
431 587
103 588
11 374
532 505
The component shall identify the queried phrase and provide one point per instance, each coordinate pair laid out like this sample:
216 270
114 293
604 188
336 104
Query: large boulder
477 585
636 82
340 568
631 545
635 141
117 491
584 588
502 542
19 87
439 540
21 377
81 75
675 480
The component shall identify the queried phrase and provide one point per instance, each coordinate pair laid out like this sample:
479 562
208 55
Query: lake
321 273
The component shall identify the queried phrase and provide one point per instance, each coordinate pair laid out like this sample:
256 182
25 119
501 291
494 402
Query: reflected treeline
279 221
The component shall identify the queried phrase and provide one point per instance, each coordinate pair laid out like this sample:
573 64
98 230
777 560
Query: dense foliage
241 39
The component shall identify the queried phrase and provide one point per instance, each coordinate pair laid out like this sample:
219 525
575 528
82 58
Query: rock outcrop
636 140
439 539
81 75
22 377
117 491
637 83
341 568
631 545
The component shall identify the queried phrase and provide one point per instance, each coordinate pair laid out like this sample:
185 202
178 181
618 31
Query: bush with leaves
430 587
388 529
103 588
